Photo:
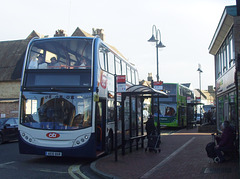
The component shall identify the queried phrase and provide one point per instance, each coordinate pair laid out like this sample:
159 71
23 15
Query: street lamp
155 38
200 71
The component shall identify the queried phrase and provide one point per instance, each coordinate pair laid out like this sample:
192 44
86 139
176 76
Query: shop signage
226 82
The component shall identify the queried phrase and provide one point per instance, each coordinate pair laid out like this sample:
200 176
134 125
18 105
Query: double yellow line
74 172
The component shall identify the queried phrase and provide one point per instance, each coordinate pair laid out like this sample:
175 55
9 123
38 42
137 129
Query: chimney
149 77
98 32
59 33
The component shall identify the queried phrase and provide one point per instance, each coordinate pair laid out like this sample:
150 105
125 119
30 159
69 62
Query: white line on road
150 172
7 163
51 171
75 169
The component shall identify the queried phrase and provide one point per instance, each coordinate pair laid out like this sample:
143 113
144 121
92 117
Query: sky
187 28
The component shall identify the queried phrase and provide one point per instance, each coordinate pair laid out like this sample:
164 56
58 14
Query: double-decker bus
173 110
67 96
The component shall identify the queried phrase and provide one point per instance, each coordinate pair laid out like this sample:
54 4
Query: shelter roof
186 84
145 91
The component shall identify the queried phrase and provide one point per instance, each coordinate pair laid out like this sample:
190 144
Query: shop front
226 99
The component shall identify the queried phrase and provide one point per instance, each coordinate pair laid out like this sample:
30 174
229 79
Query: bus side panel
85 151
169 122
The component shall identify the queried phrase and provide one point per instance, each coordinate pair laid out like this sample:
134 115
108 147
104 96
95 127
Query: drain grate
217 170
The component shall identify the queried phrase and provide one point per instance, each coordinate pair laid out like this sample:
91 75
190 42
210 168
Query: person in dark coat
225 143
150 127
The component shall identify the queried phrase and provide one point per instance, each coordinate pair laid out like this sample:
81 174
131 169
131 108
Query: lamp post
155 38
200 71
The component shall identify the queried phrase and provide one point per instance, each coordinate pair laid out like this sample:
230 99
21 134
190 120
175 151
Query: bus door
100 124
181 117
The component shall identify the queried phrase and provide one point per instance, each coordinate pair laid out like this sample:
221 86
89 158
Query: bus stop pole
141 99
158 122
130 122
136 119
115 115
123 123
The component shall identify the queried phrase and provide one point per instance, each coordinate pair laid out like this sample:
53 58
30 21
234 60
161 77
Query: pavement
182 156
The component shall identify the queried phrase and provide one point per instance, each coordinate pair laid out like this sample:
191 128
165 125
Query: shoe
216 160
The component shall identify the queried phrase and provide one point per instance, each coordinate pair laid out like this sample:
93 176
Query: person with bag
150 127
225 143
210 148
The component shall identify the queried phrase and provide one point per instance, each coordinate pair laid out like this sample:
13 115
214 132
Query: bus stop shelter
191 117
131 115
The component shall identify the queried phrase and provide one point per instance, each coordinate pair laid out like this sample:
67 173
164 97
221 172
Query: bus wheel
109 144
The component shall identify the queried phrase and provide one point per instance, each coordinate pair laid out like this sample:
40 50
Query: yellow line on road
73 170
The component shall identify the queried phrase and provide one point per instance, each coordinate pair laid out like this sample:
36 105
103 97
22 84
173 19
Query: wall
9 95
236 35
237 53
10 89
9 109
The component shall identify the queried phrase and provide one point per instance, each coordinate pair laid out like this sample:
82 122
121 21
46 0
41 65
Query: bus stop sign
121 83
158 85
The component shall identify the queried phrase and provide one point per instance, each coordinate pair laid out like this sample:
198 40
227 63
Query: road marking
7 163
150 172
51 171
75 169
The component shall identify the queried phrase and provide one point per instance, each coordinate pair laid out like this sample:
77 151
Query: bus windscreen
60 54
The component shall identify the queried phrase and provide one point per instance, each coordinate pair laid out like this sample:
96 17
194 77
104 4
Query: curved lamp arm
153 39
160 45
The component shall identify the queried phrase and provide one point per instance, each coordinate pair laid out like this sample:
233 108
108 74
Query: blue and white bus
67 96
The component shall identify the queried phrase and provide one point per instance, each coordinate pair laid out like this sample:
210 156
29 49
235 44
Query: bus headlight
81 140
26 137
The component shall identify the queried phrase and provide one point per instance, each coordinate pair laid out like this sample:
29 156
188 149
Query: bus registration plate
57 154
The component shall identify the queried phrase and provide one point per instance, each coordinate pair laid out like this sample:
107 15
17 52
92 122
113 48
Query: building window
232 53
218 65
225 58
227 54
